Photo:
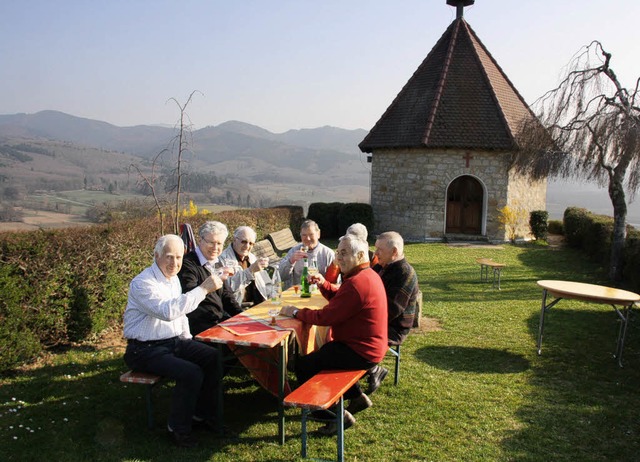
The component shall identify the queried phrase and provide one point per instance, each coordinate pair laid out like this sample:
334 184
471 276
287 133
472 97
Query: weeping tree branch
588 127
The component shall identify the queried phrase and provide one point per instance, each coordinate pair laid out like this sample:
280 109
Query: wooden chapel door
464 206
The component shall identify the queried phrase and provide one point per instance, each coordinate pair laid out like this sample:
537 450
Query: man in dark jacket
198 266
401 285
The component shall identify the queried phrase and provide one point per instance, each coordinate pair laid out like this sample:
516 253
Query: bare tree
180 145
151 180
592 132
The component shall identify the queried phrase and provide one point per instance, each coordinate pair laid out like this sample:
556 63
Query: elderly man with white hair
249 283
357 314
159 340
310 249
401 286
198 265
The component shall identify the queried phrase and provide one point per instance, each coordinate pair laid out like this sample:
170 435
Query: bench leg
496 271
340 438
303 437
149 400
397 376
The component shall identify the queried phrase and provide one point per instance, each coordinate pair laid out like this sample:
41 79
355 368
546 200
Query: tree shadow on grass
470 359
84 412
581 404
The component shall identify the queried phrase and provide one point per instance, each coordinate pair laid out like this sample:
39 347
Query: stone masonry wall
408 190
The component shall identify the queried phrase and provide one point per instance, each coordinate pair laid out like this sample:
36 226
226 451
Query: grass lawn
472 387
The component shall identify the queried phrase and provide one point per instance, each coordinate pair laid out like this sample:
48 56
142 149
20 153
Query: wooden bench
282 240
485 264
322 391
149 380
264 248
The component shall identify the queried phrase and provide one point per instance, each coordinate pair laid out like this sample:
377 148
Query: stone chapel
441 153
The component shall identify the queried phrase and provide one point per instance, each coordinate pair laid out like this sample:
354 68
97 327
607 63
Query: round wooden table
620 300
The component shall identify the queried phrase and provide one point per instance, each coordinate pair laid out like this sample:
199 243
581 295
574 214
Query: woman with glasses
249 282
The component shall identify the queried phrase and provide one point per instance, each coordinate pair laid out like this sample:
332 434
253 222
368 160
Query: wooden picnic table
262 347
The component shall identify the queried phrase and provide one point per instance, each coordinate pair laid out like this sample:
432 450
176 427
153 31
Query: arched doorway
464 206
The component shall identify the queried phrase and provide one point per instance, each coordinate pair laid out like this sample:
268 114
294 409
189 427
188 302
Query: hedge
67 285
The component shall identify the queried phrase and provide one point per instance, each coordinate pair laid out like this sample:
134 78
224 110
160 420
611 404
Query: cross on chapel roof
460 4
459 97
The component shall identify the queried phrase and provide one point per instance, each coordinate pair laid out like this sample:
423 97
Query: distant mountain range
314 164
49 148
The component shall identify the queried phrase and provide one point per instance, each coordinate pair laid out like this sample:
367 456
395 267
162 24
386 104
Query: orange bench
322 391
147 379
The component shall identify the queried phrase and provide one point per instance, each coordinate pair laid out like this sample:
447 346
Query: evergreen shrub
325 214
555 227
354 212
538 223
67 285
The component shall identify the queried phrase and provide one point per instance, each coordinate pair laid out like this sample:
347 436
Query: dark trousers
193 366
332 355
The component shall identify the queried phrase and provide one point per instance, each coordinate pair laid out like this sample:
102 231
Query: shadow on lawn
83 412
468 359
581 404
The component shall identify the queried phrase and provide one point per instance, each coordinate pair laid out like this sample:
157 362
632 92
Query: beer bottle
304 280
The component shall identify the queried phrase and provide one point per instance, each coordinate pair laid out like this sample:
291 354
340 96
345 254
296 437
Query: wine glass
312 271
275 300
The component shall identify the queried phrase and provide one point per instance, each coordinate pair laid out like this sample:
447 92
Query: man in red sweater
357 314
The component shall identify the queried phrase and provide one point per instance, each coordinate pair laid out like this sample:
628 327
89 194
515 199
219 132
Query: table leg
282 367
544 308
541 325
622 331
220 391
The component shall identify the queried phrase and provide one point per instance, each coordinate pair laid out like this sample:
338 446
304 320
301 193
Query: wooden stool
485 264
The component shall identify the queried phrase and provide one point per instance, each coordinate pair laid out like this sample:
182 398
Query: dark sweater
401 284
216 307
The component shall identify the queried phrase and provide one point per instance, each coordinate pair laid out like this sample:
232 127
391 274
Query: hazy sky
279 64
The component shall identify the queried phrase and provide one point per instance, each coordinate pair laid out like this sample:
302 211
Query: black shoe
183 440
205 424
331 428
360 403
376 376
210 426
322 415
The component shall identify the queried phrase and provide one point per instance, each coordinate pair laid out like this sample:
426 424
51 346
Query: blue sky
279 64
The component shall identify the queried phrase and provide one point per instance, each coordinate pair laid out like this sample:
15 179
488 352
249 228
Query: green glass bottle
304 281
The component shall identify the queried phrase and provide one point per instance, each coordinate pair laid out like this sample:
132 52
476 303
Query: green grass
473 391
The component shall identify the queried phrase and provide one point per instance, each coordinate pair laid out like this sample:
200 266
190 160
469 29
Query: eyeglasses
211 243
245 242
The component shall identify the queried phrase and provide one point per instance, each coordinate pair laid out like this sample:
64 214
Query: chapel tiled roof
459 97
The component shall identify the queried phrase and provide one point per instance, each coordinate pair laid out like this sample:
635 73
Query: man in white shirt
311 249
159 341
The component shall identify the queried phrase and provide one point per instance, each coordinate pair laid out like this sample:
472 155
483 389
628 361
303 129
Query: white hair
359 230
163 242
245 229
213 227
356 245
393 240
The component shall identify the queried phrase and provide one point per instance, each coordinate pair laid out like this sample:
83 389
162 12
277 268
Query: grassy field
472 387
